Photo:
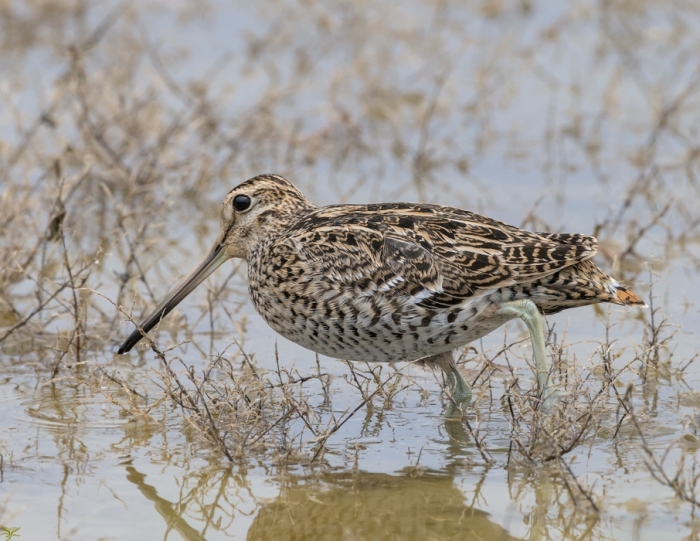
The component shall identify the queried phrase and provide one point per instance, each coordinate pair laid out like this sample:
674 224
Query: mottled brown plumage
394 281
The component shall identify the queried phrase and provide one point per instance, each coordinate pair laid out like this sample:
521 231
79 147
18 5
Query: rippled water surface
123 125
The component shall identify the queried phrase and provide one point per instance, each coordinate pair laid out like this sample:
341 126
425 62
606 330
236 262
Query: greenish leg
461 392
527 311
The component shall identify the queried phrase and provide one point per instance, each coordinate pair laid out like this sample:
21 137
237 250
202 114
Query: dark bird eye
241 202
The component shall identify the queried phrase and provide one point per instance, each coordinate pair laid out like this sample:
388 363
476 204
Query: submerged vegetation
124 124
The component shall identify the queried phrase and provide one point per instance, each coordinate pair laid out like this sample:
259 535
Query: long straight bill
209 264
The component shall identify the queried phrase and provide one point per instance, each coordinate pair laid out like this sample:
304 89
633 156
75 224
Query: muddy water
558 117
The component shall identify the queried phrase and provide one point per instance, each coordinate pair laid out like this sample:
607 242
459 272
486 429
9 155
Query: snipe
395 281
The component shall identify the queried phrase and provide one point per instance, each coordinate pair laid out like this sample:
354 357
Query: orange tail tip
625 296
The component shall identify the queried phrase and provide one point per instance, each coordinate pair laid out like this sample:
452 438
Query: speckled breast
363 324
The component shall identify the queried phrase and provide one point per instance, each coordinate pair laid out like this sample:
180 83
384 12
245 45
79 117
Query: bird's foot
550 401
459 391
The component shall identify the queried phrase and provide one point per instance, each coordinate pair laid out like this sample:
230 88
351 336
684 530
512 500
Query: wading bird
395 281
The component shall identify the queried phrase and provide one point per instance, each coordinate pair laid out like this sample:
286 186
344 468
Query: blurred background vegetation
123 125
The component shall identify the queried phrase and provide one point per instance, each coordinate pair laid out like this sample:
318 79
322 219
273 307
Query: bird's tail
578 285
627 297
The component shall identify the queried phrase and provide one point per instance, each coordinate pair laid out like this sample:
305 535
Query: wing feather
407 249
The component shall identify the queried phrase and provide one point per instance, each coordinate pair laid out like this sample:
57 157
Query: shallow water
564 117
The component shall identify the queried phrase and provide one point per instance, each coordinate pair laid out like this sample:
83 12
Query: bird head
254 210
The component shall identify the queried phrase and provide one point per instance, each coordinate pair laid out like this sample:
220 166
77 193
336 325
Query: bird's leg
526 310
460 390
